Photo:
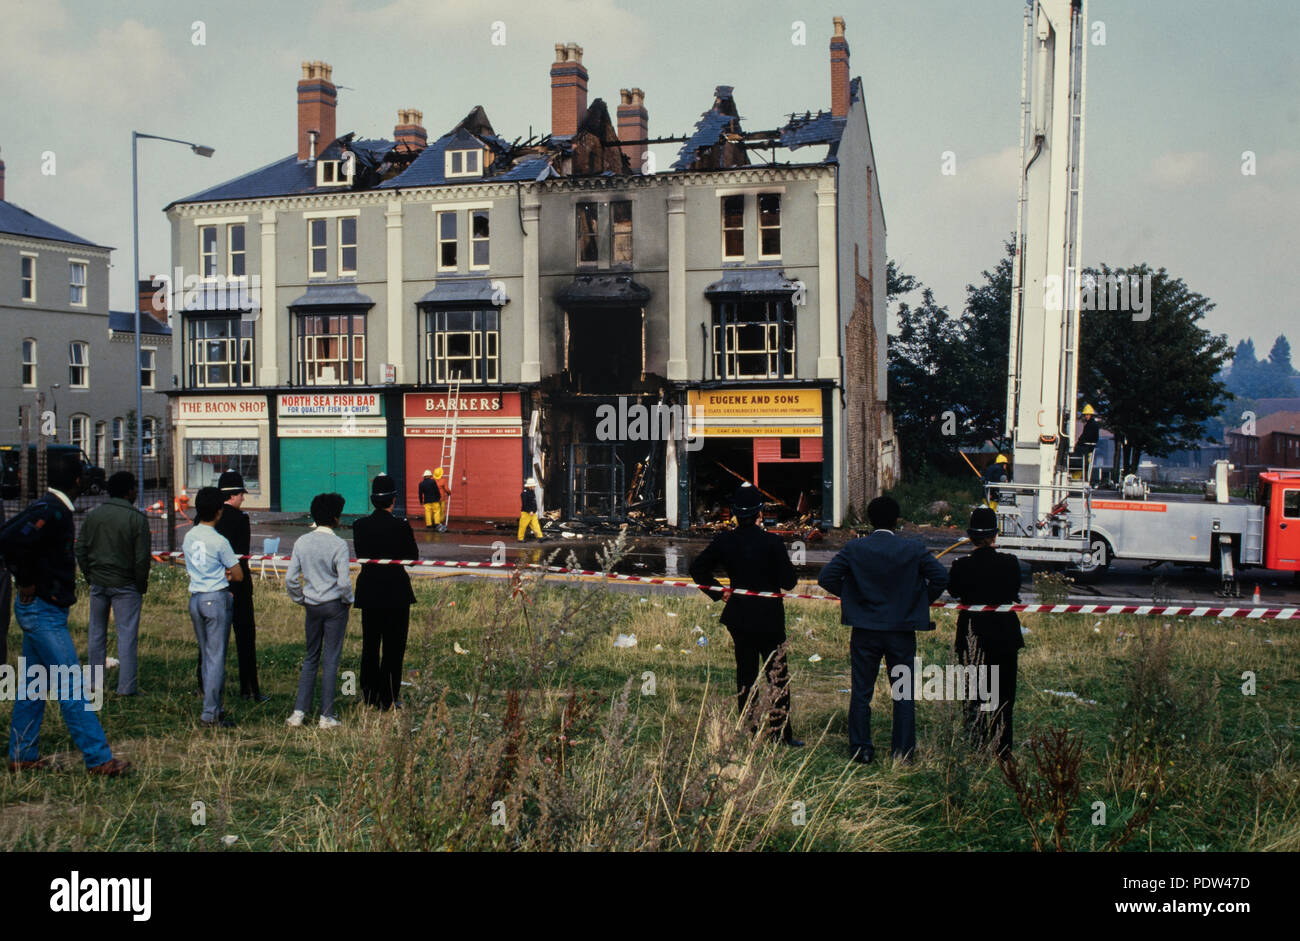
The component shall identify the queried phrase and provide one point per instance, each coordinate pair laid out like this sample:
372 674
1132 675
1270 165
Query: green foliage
1253 378
1153 382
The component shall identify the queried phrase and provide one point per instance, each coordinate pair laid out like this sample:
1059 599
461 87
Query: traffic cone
1254 599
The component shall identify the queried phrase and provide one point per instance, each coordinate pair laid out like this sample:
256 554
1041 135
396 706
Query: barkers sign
326 404
439 405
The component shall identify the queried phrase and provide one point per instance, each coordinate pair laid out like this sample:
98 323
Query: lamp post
202 151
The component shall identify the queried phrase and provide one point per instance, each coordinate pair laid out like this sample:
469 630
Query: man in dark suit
233 523
383 595
756 560
885 583
988 639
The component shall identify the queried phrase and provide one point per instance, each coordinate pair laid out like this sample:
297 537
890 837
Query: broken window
331 349
446 241
753 339
588 248
620 223
480 240
769 225
733 227
462 344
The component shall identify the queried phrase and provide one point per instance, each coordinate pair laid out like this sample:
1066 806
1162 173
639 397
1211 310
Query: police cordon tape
1195 611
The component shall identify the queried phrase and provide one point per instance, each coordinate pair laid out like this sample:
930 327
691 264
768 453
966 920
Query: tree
925 378
986 335
1154 382
1280 357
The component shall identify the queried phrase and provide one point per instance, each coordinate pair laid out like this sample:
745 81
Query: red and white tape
1194 611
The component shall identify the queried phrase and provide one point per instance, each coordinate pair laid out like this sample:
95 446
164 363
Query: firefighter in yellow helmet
431 497
995 473
528 510
1086 444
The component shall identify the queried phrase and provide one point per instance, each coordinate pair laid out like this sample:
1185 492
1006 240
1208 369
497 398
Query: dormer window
464 163
335 172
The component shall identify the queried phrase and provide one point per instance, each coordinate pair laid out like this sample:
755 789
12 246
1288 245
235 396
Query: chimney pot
410 132
839 70
633 125
568 90
317 107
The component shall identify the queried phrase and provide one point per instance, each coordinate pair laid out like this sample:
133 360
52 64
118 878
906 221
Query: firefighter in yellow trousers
528 510
431 498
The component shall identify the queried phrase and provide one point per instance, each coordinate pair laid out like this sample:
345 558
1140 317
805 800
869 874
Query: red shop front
488 471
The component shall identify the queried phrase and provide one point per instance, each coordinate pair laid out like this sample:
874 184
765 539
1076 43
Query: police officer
995 473
236 527
988 639
383 595
753 559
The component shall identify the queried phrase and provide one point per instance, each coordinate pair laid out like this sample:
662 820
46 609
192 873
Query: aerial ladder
1042 522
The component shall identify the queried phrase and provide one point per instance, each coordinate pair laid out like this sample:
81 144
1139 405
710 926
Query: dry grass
544 725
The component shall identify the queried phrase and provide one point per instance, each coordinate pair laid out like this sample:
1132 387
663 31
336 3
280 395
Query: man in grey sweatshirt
319 579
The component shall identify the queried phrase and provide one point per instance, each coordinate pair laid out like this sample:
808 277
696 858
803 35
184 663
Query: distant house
1275 443
62 342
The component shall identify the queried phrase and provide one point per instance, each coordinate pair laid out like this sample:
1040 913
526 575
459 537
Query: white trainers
111 662
329 722
295 718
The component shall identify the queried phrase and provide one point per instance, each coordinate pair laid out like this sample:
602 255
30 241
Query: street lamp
202 151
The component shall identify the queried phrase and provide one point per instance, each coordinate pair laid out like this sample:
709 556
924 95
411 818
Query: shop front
771 437
216 433
329 442
487 471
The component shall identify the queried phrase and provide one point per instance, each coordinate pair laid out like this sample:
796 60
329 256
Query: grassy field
544 736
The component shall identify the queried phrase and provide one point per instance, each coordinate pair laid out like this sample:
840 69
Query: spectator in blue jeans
37 547
319 579
885 583
212 565
113 552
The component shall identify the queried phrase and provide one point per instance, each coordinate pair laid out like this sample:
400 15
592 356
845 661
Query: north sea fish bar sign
328 404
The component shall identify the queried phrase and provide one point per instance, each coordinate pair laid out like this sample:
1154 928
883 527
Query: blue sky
1180 89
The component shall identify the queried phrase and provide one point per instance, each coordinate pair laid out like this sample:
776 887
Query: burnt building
637 337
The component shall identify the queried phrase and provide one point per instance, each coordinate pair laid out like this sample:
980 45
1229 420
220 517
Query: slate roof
14 220
429 169
462 291
752 281
335 294
719 119
123 321
603 290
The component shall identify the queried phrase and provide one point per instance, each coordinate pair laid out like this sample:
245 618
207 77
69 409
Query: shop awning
332 297
741 281
462 292
603 290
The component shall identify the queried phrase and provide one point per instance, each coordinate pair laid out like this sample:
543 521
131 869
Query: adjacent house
62 342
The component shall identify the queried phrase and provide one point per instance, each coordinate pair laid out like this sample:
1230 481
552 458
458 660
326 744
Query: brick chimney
568 90
839 70
150 304
317 102
410 132
633 124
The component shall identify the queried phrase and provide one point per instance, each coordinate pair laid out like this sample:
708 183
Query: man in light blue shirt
212 565
319 579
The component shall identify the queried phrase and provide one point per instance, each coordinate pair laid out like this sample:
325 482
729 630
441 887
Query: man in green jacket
113 553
